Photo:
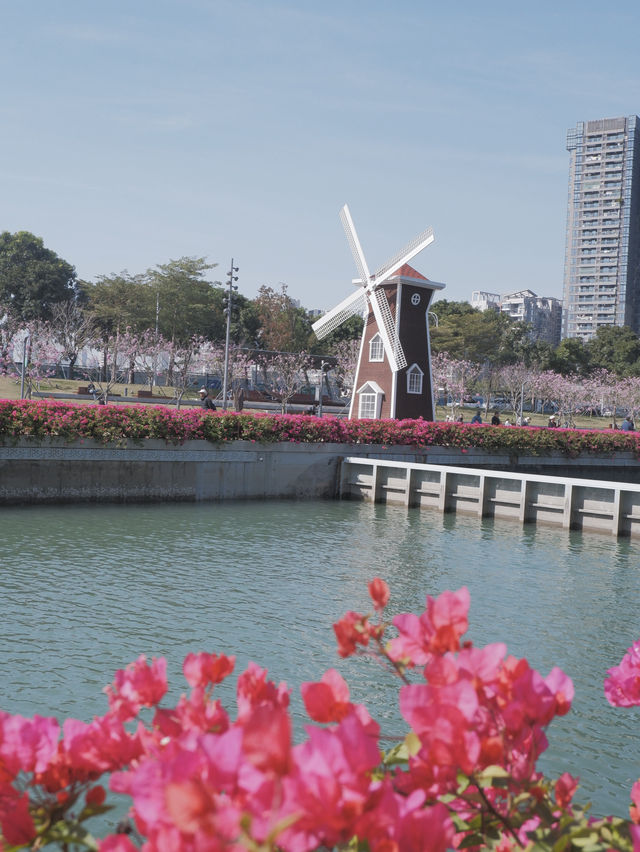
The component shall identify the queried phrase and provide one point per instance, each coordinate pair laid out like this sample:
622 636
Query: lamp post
231 288
25 341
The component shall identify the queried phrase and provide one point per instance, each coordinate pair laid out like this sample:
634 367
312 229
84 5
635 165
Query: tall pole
231 288
24 361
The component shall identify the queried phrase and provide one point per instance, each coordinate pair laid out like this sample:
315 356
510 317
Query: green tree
245 321
187 302
570 357
466 333
118 302
615 348
32 278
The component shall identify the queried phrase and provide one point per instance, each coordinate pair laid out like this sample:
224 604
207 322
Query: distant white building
542 313
483 301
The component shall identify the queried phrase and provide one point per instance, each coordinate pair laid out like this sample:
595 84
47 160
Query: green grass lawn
10 389
535 419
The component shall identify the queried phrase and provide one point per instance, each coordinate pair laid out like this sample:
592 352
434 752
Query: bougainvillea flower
565 788
622 686
443 717
266 739
561 686
352 630
253 689
379 593
634 808
436 631
204 669
16 824
116 843
99 746
26 744
141 684
327 701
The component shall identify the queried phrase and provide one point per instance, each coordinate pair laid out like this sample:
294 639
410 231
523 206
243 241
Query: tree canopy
283 326
617 349
32 277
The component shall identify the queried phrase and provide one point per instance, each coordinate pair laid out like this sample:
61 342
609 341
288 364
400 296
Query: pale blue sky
138 131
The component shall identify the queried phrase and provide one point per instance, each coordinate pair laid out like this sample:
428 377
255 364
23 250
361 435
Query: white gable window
414 379
369 401
376 348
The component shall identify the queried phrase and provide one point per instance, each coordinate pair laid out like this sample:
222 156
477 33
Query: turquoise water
87 589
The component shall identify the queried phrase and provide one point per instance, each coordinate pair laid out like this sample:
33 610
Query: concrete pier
572 503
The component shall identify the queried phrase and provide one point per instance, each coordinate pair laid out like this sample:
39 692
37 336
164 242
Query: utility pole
228 306
25 341
323 366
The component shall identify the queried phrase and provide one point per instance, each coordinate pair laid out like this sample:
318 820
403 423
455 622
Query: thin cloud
88 34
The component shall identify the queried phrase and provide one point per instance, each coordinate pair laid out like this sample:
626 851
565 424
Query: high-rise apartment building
602 258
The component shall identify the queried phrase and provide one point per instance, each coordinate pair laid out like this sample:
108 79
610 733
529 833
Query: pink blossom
203 669
634 808
379 593
437 630
351 630
327 701
116 843
139 685
16 824
622 686
26 744
254 689
565 788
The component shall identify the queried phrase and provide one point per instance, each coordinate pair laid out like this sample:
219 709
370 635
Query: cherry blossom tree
184 360
151 355
72 328
286 373
42 353
11 333
454 376
514 380
346 354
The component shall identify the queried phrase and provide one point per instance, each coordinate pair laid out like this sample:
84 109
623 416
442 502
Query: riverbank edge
37 471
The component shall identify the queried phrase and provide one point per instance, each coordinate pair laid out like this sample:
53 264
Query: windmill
395 337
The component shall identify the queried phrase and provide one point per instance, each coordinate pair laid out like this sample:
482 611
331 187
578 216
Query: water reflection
87 589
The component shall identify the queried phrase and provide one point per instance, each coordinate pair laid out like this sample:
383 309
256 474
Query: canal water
87 589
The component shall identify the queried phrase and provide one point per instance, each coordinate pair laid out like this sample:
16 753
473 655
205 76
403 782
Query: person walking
207 403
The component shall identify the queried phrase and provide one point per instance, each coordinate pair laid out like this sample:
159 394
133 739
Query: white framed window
376 348
369 401
367 406
414 379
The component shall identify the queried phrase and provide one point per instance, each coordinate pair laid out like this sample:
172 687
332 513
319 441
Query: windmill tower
393 376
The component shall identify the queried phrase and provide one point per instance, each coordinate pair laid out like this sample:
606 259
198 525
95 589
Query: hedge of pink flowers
199 778
115 423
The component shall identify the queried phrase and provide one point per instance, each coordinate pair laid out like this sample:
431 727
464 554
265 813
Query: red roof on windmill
407 271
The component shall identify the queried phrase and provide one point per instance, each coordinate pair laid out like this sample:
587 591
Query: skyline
136 134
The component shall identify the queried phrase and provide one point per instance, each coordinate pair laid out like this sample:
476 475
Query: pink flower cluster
119 424
476 707
201 779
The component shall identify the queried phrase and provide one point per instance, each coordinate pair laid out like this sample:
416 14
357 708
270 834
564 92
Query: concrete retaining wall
583 504
57 472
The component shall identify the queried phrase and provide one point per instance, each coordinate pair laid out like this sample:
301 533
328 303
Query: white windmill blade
387 330
404 256
352 305
354 244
